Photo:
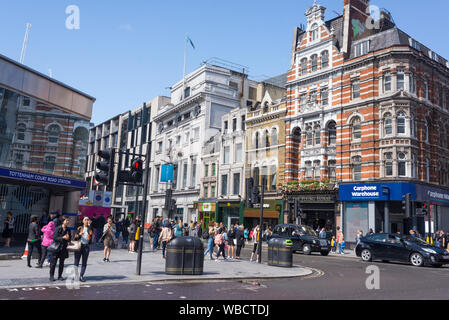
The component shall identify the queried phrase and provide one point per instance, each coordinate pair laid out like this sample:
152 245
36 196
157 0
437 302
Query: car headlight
315 241
429 250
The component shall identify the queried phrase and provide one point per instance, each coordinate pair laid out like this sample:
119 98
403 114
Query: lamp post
261 220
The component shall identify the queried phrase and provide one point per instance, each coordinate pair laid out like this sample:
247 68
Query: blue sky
127 52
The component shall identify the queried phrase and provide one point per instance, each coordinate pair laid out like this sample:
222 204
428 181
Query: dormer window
314 33
361 49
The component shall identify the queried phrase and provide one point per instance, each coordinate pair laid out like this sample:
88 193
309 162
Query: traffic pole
261 220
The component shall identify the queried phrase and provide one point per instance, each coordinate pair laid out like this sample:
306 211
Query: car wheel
417 259
366 255
324 253
307 250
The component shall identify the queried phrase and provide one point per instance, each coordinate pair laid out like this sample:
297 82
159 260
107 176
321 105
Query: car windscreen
416 240
309 231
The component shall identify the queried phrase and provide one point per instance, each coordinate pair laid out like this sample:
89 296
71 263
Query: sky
128 52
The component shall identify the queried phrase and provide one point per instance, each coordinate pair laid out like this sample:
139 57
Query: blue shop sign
41 178
376 191
167 173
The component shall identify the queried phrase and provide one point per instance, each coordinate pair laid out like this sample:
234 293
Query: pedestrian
210 244
44 219
334 244
61 239
246 235
165 237
58 219
8 229
193 230
358 236
342 244
218 240
108 239
370 232
440 240
446 241
157 232
185 230
199 228
137 236
34 241
231 242
85 235
267 234
256 238
101 221
48 232
94 225
126 222
240 237
323 234
132 236
179 230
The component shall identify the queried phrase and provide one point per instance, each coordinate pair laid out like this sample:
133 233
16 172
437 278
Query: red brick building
366 104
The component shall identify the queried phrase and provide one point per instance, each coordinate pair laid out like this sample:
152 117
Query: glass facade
40 138
355 218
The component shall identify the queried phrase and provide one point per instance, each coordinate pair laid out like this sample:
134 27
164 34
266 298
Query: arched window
309 136
401 123
21 128
274 137
314 59
402 164
356 129
304 66
332 133
388 124
324 59
53 133
317 132
357 168
267 139
314 32
332 164
257 140
388 164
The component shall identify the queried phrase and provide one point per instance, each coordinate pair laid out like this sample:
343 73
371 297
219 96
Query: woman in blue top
246 234
179 230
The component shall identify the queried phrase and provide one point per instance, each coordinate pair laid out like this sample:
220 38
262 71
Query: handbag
54 247
74 246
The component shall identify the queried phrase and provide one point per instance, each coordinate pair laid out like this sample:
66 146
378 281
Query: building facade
265 154
367 110
44 126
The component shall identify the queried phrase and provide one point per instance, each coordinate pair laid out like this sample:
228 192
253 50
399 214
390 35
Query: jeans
31 246
84 254
125 236
45 255
155 240
54 259
164 246
239 249
341 248
221 249
210 247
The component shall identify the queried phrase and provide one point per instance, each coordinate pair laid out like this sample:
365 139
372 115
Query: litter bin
280 253
185 256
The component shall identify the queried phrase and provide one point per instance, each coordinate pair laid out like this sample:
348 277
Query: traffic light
249 192
168 199
136 174
256 195
425 209
105 176
407 205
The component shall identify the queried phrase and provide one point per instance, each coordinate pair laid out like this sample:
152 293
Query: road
334 277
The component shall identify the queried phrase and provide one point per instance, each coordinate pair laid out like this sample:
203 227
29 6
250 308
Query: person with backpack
231 242
165 237
218 240
240 237
210 243
132 236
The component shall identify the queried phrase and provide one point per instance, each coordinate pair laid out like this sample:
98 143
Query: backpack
206 235
152 229
219 240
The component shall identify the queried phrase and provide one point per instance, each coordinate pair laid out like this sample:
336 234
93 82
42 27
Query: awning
267 214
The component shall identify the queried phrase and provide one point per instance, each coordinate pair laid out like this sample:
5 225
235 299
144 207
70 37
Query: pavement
122 269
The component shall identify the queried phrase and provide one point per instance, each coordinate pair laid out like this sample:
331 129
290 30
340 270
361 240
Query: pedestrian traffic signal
425 209
136 171
407 205
106 168
256 196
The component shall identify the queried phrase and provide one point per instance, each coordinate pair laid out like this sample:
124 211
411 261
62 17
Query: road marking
182 297
169 293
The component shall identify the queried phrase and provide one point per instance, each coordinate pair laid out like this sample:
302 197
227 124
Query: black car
304 238
394 247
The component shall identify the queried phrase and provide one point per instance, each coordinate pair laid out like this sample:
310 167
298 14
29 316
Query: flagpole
185 62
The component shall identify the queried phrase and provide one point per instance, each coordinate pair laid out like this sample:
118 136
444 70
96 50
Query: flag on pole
190 41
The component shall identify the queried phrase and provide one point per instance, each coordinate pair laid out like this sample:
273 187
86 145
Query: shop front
230 212
379 207
207 212
272 215
317 209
